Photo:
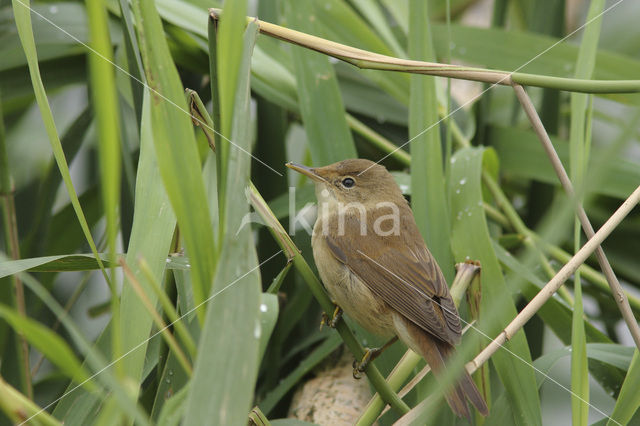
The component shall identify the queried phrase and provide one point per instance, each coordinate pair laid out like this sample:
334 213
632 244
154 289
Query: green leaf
375 15
579 365
104 98
522 156
50 344
613 354
176 149
74 262
340 23
429 204
71 141
173 383
319 99
470 239
555 313
105 104
173 409
227 362
93 358
579 150
487 47
225 57
230 50
268 318
22 16
153 227
69 16
629 398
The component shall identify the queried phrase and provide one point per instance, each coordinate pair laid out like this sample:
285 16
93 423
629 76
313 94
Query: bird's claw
360 367
333 321
369 355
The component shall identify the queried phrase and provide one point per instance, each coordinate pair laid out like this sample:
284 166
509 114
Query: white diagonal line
139 345
508 76
486 336
119 68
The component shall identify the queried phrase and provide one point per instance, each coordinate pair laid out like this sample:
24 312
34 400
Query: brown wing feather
402 272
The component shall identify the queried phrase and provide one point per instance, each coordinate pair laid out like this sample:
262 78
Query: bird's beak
308 171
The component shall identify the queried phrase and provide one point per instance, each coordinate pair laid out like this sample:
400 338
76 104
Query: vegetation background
118 218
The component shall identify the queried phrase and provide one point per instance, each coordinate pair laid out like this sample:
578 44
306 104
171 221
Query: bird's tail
465 384
435 352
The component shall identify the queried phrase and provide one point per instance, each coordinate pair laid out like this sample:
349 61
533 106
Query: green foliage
101 164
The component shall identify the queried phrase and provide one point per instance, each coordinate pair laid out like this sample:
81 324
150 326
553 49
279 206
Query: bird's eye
348 182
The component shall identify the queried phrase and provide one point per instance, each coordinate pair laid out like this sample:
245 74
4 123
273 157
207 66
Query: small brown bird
377 268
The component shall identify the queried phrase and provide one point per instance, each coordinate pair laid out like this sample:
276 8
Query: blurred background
309 108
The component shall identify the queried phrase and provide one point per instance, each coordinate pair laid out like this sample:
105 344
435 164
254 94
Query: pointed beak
308 171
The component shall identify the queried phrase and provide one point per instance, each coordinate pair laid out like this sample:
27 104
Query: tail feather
435 352
471 391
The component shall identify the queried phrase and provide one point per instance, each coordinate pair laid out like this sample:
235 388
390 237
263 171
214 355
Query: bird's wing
403 273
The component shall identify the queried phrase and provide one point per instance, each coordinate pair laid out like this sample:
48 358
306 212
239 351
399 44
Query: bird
377 268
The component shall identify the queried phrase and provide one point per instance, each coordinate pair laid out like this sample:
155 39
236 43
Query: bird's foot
369 355
359 367
333 321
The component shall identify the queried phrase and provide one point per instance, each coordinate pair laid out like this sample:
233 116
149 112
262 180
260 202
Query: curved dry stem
616 289
552 286
370 60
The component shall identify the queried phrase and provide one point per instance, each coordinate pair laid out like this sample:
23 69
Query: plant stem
370 60
593 276
10 224
294 255
157 319
466 272
552 286
616 289
257 417
19 408
169 309
548 269
377 140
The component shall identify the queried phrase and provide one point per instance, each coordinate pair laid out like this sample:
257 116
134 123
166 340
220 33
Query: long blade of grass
227 363
226 38
268 317
428 200
154 222
578 155
22 15
93 358
74 262
72 141
168 308
523 157
160 324
17 407
176 148
628 400
470 238
372 10
54 348
105 104
173 410
340 22
320 101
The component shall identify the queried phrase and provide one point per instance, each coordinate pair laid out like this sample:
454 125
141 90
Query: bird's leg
369 355
333 321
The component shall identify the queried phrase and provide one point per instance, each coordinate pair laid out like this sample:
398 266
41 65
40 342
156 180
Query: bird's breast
348 291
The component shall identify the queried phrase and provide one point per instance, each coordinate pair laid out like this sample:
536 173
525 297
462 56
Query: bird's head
352 181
